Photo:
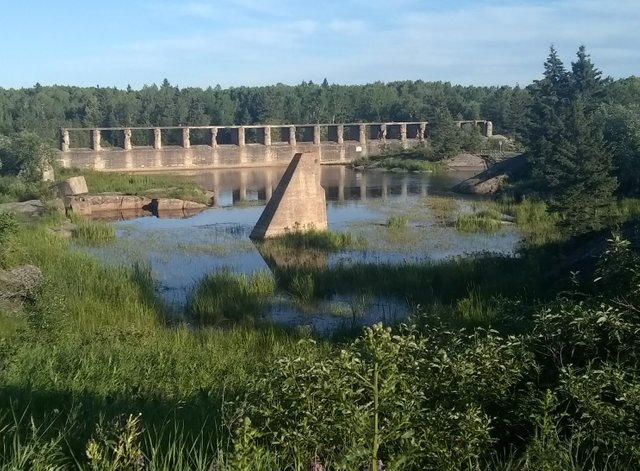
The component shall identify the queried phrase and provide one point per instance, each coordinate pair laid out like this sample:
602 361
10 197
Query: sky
232 43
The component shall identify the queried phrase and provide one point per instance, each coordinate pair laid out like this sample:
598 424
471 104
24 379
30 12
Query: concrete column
489 129
340 132
186 138
214 137
292 136
243 185
423 130
95 139
403 135
363 134
241 141
383 132
127 139
316 135
157 138
267 136
64 140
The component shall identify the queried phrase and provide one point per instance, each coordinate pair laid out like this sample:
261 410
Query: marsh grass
478 222
92 232
397 222
225 296
311 240
443 209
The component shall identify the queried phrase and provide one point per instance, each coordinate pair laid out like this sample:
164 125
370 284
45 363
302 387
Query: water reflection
182 251
240 186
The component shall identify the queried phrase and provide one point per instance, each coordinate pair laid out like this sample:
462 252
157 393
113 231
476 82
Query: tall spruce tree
566 149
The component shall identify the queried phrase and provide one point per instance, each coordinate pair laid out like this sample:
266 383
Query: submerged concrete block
298 202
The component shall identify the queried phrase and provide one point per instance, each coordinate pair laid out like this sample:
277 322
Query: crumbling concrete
72 186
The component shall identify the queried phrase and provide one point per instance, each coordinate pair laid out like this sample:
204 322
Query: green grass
225 296
397 222
478 222
92 232
310 240
150 185
16 189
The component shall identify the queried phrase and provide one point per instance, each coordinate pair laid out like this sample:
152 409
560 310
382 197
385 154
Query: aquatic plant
226 296
92 232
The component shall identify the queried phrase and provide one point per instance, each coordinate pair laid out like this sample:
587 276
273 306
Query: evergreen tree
566 147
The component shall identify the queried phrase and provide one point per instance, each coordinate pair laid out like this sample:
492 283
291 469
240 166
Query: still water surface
181 251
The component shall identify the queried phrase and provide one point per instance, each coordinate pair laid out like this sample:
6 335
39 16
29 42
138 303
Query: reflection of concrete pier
341 184
184 147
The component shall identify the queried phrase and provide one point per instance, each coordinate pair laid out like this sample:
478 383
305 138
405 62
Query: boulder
31 208
491 180
466 161
20 282
105 203
72 186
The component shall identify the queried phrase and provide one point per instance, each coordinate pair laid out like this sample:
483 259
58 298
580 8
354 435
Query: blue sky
258 42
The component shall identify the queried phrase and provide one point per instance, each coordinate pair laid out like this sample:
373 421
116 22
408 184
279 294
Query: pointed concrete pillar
95 139
489 129
64 140
127 139
186 138
157 138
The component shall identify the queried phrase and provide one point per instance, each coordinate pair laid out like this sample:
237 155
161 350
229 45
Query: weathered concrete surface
89 205
466 161
492 179
72 186
298 202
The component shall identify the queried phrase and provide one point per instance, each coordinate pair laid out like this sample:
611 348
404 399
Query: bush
26 156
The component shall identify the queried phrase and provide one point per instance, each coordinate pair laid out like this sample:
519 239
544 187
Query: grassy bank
151 185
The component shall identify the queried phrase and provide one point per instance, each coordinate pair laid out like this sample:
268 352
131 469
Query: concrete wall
221 156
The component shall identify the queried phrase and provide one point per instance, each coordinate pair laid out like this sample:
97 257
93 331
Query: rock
48 174
491 180
193 206
463 161
475 186
212 197
167 204
20 282
72 186
31 208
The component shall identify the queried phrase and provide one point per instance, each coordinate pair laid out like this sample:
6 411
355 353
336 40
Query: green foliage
17 189
226 296
386 411
25 155
8 229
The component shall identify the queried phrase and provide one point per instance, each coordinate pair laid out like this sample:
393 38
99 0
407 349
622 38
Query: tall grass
310 240
226 296
397 222
92 232
483 221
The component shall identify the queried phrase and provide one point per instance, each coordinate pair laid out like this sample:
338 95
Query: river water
181 251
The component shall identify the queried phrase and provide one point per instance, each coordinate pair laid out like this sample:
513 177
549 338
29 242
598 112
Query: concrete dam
154 148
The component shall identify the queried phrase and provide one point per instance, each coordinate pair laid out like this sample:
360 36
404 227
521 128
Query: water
181 251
